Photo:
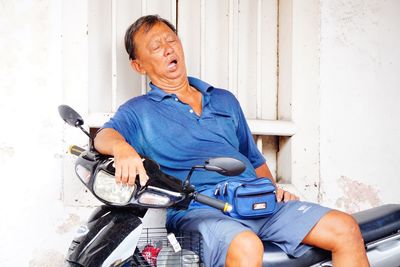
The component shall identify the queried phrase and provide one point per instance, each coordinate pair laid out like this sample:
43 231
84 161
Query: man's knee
348 226
246 249
336 231
345 230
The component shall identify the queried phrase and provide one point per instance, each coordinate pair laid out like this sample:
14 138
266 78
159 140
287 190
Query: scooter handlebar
212 202
75 150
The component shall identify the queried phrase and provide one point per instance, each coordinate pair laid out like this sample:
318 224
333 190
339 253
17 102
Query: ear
137 66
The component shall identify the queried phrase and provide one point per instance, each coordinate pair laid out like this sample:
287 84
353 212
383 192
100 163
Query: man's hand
281 195
285 196
128 164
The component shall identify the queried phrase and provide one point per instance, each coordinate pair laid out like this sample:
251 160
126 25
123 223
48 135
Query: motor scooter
114 234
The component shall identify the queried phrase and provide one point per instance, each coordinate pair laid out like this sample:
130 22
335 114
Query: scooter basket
154 249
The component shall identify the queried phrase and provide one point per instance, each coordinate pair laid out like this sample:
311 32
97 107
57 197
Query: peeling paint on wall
357 196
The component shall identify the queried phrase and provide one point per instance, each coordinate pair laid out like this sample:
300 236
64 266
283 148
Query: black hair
147 22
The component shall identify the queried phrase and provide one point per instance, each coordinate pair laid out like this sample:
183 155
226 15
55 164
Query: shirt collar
158 94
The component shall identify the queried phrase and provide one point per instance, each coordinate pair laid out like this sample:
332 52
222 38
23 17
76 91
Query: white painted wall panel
257 58
189 29
247 57
360 130
267 61
164 8
214 39
285 60
99 54
128 81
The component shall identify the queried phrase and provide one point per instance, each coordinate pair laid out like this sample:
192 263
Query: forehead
147 35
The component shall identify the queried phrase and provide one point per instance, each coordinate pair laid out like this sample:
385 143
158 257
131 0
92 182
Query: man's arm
263 171
281 195
127 161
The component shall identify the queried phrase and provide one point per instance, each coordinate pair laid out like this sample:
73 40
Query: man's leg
339 232
246 249
219 232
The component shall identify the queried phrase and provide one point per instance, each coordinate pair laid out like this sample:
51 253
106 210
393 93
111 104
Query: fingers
143 178
279 194
118 173
128 165
293 197
127 170
121 172
138 169
124 174
285 196
132 175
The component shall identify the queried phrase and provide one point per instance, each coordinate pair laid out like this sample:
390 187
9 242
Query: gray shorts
287 227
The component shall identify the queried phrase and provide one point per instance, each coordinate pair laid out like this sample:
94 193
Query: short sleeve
125 122
247 146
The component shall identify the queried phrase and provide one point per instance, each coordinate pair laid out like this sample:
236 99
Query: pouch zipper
225 191
257 194
217 189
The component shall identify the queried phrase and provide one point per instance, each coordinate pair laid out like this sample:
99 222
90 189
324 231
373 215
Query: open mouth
172 64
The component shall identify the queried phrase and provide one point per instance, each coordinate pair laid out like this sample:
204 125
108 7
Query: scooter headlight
107 189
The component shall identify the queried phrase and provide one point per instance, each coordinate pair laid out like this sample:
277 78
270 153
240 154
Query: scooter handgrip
212 202
75 150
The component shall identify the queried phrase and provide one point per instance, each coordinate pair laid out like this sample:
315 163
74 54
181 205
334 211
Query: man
183 121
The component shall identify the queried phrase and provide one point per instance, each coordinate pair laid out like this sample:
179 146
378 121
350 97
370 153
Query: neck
180 87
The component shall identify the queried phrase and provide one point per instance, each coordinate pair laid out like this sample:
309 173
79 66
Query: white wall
35 226
359 103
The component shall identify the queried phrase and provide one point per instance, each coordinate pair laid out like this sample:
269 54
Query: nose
168 49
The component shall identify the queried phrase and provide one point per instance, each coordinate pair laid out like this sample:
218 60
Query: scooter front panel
106 233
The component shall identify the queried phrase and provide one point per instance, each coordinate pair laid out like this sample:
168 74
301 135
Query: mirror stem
186 183
91 141
83 130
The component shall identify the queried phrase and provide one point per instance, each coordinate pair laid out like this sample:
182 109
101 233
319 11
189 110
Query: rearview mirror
70 116
225 166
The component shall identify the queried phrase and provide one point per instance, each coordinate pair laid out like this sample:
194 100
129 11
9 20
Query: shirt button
191 111
176 99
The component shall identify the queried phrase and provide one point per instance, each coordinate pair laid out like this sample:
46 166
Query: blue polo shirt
167 130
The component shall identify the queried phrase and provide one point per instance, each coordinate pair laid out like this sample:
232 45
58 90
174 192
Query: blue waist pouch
250 198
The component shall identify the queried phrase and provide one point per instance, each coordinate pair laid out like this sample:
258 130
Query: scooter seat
375 223
379 222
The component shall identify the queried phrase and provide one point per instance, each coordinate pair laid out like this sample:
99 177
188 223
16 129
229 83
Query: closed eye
170 39
155 47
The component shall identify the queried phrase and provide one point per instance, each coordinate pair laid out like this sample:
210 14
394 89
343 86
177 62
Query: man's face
159 54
